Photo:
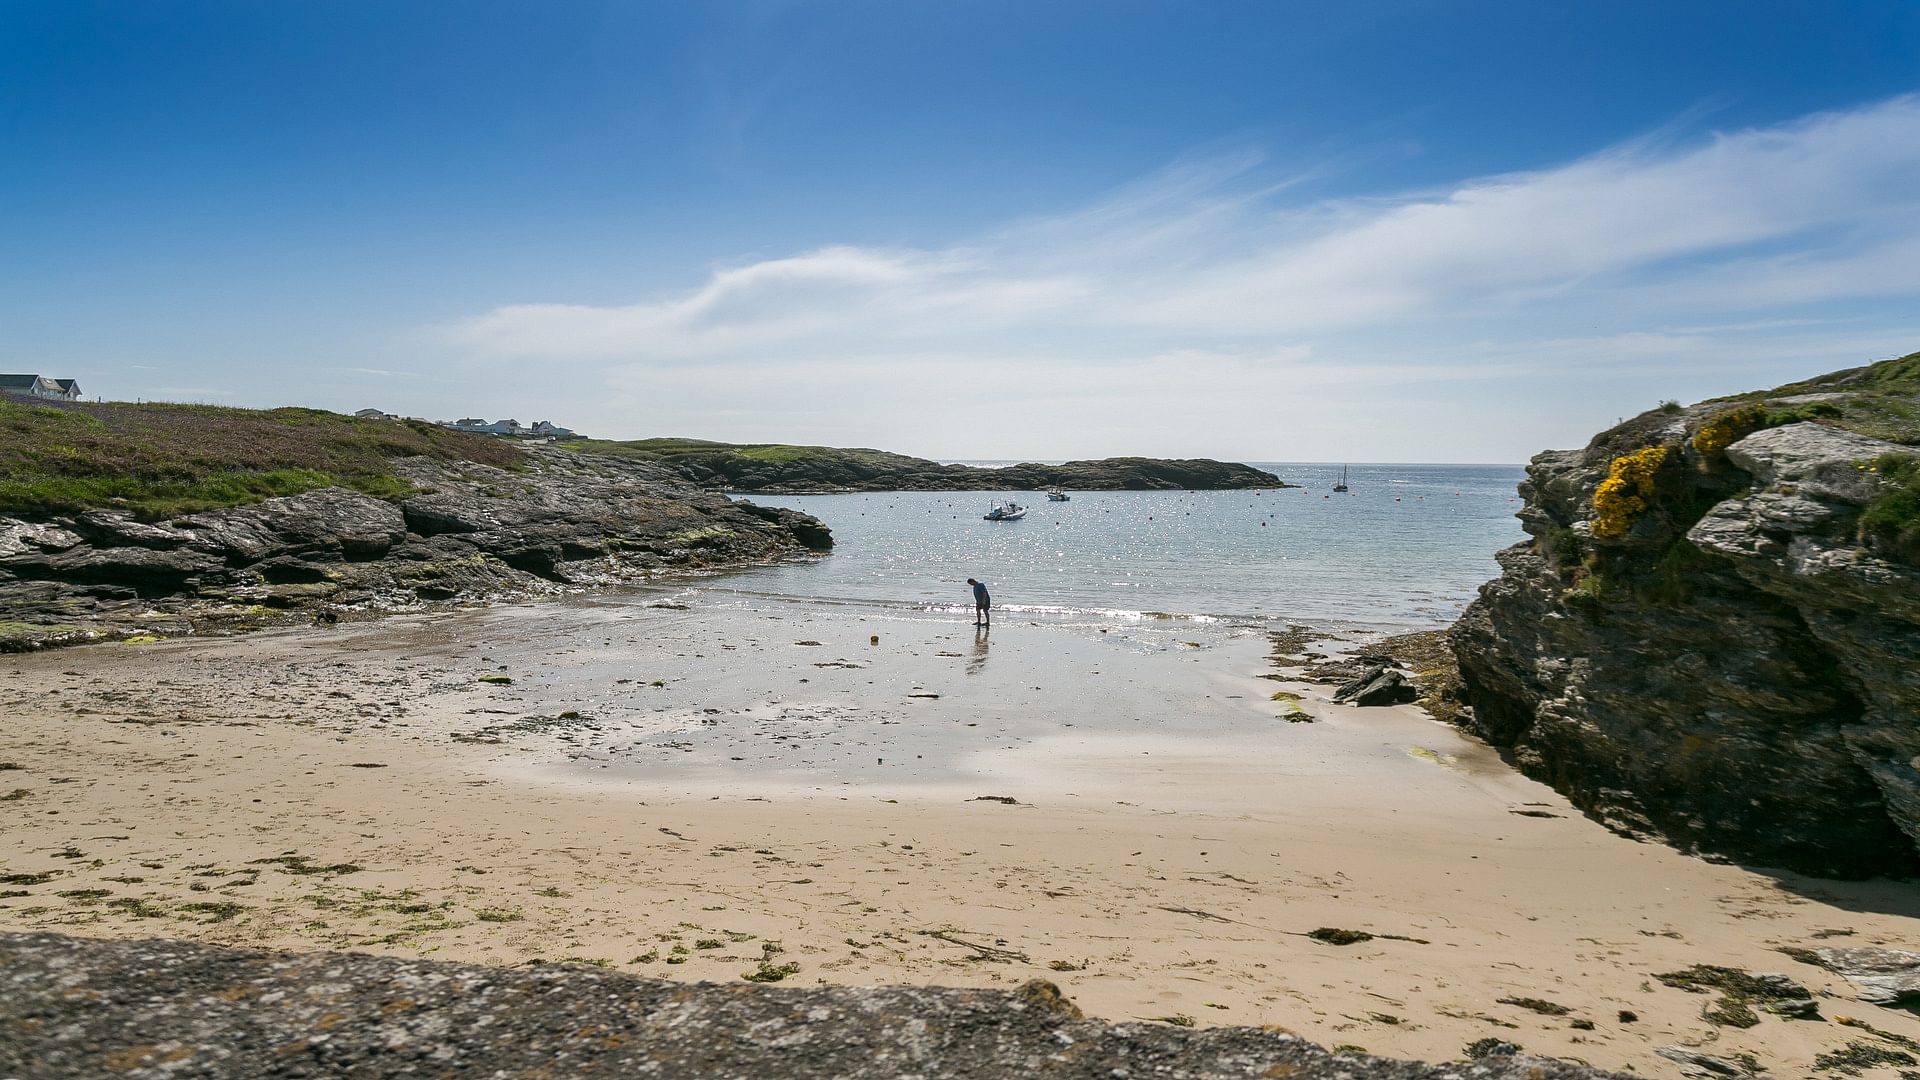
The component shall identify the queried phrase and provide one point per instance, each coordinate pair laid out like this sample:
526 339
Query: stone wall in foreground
77 1008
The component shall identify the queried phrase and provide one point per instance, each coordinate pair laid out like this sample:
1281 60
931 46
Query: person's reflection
978 661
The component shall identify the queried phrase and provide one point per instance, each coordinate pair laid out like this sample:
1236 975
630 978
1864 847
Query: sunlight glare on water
1407 546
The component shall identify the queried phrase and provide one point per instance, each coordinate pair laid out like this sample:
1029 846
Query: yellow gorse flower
1624 493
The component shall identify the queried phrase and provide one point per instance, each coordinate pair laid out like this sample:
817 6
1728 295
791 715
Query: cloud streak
1213 271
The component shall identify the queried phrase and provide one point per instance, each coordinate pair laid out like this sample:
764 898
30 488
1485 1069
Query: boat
1006 511
1342 485
1056 495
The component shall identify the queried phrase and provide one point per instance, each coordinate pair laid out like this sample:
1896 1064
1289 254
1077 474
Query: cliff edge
1713 635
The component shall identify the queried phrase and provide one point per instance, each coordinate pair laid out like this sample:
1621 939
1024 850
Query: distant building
375 414
40 386
542 429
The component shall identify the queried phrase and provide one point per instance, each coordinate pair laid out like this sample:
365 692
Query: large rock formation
1714 634
468 532
73 1008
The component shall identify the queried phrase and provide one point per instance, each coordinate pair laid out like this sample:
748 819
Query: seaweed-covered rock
72 1007
1378 685
1713 636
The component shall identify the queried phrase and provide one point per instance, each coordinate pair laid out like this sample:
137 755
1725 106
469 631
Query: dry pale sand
750 784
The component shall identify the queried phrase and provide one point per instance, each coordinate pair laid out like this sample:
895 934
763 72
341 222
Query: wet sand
727 787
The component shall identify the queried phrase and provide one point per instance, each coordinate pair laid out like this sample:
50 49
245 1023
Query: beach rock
1883 976
155 1008
1727 656
1379 685
468 532
1695 1063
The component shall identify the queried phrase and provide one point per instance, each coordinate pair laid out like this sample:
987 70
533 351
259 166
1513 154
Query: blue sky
1266 231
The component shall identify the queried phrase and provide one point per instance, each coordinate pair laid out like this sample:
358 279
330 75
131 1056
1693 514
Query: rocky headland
805 470
1713 635
126 521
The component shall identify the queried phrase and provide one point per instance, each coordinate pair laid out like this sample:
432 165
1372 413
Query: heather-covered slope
157 460
122 521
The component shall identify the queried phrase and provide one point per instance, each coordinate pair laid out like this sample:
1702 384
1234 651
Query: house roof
69 385
22 382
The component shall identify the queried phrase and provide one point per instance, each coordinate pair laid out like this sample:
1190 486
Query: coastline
1170 842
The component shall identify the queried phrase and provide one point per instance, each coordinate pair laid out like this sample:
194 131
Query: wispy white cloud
1215 272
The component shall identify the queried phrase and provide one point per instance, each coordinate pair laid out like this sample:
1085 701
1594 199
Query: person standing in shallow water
982 604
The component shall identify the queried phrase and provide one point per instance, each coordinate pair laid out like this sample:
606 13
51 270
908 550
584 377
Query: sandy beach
707 787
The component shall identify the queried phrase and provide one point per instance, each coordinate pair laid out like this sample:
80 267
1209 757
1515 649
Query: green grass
1883 400
162 460
1898 509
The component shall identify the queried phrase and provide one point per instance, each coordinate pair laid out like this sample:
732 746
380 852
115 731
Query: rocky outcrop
1709 639
172 1009
467 532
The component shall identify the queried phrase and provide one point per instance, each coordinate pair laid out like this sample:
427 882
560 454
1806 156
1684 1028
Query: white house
512 428
41 387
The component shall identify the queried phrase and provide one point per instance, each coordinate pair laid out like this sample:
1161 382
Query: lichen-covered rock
1884 976
467 532
151 1009
1733 664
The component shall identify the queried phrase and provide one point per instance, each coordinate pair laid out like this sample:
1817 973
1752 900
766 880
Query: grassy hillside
162 460
1881 400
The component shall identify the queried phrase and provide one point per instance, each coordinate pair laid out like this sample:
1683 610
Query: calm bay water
1407 547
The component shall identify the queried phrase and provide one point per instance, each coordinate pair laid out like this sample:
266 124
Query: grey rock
1379 685
1739 674
143 568
331 520
149 1009
23 537
109 528
1695 1063
1883 976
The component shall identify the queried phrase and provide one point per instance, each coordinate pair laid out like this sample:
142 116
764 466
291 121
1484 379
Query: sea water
1406 547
